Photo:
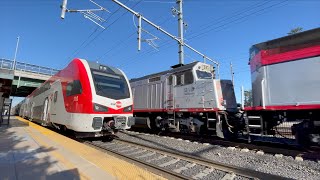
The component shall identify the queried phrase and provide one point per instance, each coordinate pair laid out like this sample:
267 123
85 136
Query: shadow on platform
22 158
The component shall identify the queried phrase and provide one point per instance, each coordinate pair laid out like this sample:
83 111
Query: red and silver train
89 98
285 75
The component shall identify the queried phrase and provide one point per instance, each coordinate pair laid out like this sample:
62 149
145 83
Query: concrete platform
30 151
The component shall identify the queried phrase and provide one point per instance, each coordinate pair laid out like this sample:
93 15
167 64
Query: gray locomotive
285 75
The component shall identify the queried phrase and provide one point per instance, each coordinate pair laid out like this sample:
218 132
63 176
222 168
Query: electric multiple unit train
285 75
89 98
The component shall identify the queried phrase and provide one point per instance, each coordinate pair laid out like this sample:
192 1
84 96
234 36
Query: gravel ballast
285 166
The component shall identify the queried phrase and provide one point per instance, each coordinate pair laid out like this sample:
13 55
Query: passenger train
285 75
88 98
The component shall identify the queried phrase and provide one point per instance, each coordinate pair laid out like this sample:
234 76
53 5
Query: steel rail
153 168
205 162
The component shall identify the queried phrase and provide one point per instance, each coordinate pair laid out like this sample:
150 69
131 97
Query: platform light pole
15 54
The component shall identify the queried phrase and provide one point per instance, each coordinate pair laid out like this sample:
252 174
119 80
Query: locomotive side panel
228 95
148 95
294 83
258 86
139 91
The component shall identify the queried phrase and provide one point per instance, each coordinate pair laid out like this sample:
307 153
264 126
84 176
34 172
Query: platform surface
30 151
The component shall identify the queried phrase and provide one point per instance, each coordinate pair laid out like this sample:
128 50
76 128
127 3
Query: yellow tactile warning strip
113 166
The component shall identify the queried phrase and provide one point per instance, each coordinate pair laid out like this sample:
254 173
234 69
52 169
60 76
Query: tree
248 98
295 30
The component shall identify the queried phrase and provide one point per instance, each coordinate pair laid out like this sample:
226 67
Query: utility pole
180 33
232 73
15 54
88 13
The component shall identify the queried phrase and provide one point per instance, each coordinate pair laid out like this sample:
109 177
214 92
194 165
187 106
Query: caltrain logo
118 104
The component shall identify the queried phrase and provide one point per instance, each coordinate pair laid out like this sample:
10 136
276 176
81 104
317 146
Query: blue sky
223 30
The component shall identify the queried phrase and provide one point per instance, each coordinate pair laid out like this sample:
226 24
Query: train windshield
113 86
204 75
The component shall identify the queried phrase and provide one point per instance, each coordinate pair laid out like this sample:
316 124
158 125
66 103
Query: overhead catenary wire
106 54
88 43
166 46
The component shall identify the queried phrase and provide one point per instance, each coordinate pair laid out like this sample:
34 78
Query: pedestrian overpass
22 78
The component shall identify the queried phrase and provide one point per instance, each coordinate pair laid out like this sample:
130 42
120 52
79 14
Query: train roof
309 36
109 69
177 69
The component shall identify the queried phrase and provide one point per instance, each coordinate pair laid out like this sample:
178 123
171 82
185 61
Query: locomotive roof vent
177 65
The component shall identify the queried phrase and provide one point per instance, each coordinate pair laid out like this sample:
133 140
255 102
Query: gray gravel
285 166
215 174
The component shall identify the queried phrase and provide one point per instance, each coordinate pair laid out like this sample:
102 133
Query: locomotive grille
97 123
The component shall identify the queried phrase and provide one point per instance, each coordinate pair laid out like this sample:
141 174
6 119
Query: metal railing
20 66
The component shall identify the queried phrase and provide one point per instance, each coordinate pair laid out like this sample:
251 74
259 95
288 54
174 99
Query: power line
114 47
150 50
201 34
224 18
86 40
242 17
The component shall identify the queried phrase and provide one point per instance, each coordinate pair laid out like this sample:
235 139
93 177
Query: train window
170 78
74 88
204 75
112 86
55 96
69 88
180 79
188 77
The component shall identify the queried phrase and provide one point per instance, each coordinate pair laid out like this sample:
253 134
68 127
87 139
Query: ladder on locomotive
254 125
170 103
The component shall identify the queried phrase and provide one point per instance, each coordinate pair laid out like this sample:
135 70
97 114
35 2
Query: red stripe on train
284 107
178 110
269 57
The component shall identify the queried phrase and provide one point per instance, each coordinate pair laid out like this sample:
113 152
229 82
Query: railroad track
312 154
176 165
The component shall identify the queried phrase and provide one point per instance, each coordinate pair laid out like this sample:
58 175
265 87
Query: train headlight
127 109
99 108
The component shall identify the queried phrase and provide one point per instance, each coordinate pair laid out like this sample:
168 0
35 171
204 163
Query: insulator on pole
139 32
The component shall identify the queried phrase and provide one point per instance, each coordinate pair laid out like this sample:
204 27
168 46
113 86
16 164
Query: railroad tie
189 165
146 155
156 158
169 163
229 176
203 173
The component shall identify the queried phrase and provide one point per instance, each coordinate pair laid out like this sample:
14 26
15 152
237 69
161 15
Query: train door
53 106
46 106
170 93
55 116
31 111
